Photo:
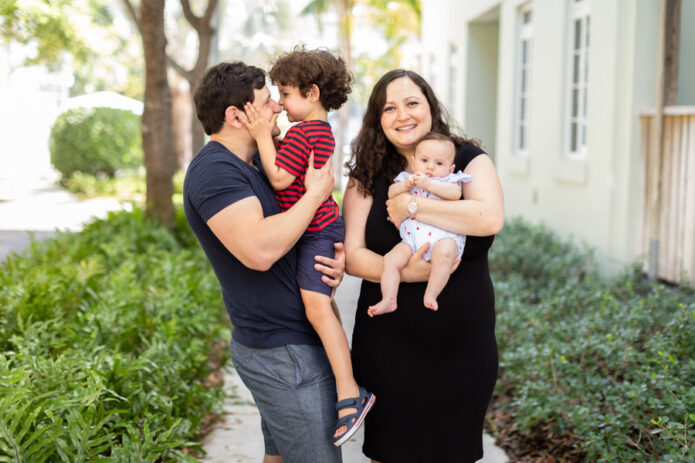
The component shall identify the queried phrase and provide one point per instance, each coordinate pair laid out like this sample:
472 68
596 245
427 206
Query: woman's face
406 115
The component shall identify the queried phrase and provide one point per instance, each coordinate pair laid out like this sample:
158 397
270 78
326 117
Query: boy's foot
353 421
431 302
382 307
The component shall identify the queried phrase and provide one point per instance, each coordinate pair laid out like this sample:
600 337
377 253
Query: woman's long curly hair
373 155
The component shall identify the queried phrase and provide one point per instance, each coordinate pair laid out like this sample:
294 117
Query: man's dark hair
224 85
302 68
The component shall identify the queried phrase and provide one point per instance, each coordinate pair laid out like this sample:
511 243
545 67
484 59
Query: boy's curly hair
302 68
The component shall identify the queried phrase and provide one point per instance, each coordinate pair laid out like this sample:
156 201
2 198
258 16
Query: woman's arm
481 213
360 261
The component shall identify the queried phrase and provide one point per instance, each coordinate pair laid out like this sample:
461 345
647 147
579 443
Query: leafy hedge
608 361
96 141
105 338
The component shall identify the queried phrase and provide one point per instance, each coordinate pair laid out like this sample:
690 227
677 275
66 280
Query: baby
433 165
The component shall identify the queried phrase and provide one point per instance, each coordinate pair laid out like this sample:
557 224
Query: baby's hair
438 137
303 68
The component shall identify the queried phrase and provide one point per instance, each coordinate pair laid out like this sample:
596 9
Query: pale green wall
599 200
686 63
481 84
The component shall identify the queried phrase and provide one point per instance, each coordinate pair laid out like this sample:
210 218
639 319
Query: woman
432 372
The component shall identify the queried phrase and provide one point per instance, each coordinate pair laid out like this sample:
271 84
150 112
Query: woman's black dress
432 372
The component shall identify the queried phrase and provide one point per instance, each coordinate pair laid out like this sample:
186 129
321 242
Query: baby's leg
444 253
394 261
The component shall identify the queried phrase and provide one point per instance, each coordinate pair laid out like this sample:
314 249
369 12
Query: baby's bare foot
431 302
382 307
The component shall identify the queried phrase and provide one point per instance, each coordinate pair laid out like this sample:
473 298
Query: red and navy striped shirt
293 156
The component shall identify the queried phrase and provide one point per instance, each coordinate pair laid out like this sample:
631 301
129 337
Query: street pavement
34 208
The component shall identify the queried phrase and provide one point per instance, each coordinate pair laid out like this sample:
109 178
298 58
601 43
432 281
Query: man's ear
232 115
314 93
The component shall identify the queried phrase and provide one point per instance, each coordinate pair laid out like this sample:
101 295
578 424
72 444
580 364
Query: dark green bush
96 141
608 361
105 338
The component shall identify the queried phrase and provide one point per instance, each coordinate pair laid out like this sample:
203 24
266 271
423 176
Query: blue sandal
363 404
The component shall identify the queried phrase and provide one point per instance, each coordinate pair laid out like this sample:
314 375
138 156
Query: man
232 209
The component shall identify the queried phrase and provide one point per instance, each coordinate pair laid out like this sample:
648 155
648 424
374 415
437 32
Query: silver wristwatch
412 206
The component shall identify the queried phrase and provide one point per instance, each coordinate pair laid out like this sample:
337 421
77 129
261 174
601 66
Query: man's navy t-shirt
265 307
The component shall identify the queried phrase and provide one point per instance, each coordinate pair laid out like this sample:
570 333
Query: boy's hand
257 125
421 180
319 181
410 181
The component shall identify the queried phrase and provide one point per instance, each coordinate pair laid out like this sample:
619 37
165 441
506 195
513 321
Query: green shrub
610 362
105 338
96 141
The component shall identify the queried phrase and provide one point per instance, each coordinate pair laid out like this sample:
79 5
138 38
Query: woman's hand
418 269
397 208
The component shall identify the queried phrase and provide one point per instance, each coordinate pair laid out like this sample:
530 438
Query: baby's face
434 158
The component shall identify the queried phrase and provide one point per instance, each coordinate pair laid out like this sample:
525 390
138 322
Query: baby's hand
257 125
410 181
421 180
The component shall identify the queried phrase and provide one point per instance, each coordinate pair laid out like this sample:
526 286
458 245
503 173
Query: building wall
597 200
686 63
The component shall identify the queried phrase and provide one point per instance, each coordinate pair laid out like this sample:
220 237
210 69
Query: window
523 71
577 78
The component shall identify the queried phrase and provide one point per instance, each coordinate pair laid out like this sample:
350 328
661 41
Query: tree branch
131 12
186 74
192 19
212 6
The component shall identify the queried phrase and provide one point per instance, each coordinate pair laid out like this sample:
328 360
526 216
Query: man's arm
258 241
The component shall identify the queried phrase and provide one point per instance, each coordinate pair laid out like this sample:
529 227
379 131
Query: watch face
412 208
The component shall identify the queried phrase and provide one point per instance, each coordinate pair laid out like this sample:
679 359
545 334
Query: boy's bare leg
394 261
320 313
444 253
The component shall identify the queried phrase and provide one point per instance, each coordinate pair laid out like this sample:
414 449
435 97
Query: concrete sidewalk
38 207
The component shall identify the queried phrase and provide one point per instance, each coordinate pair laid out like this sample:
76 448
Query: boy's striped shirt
293 156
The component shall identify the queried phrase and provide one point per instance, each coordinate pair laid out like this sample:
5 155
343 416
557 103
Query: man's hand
257 125
333 269
319 181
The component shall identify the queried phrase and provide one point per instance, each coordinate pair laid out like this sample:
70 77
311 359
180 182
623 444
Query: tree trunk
344 8
157 131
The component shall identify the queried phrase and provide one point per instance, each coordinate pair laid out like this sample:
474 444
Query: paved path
36 207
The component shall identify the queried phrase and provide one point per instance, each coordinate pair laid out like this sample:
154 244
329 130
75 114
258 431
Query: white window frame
577 79
523 80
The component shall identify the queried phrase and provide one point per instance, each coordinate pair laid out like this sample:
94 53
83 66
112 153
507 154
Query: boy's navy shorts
317 243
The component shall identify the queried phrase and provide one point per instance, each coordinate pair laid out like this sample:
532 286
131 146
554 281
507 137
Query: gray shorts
294 389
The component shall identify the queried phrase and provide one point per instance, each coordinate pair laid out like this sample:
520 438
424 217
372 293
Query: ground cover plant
105 340
591 368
